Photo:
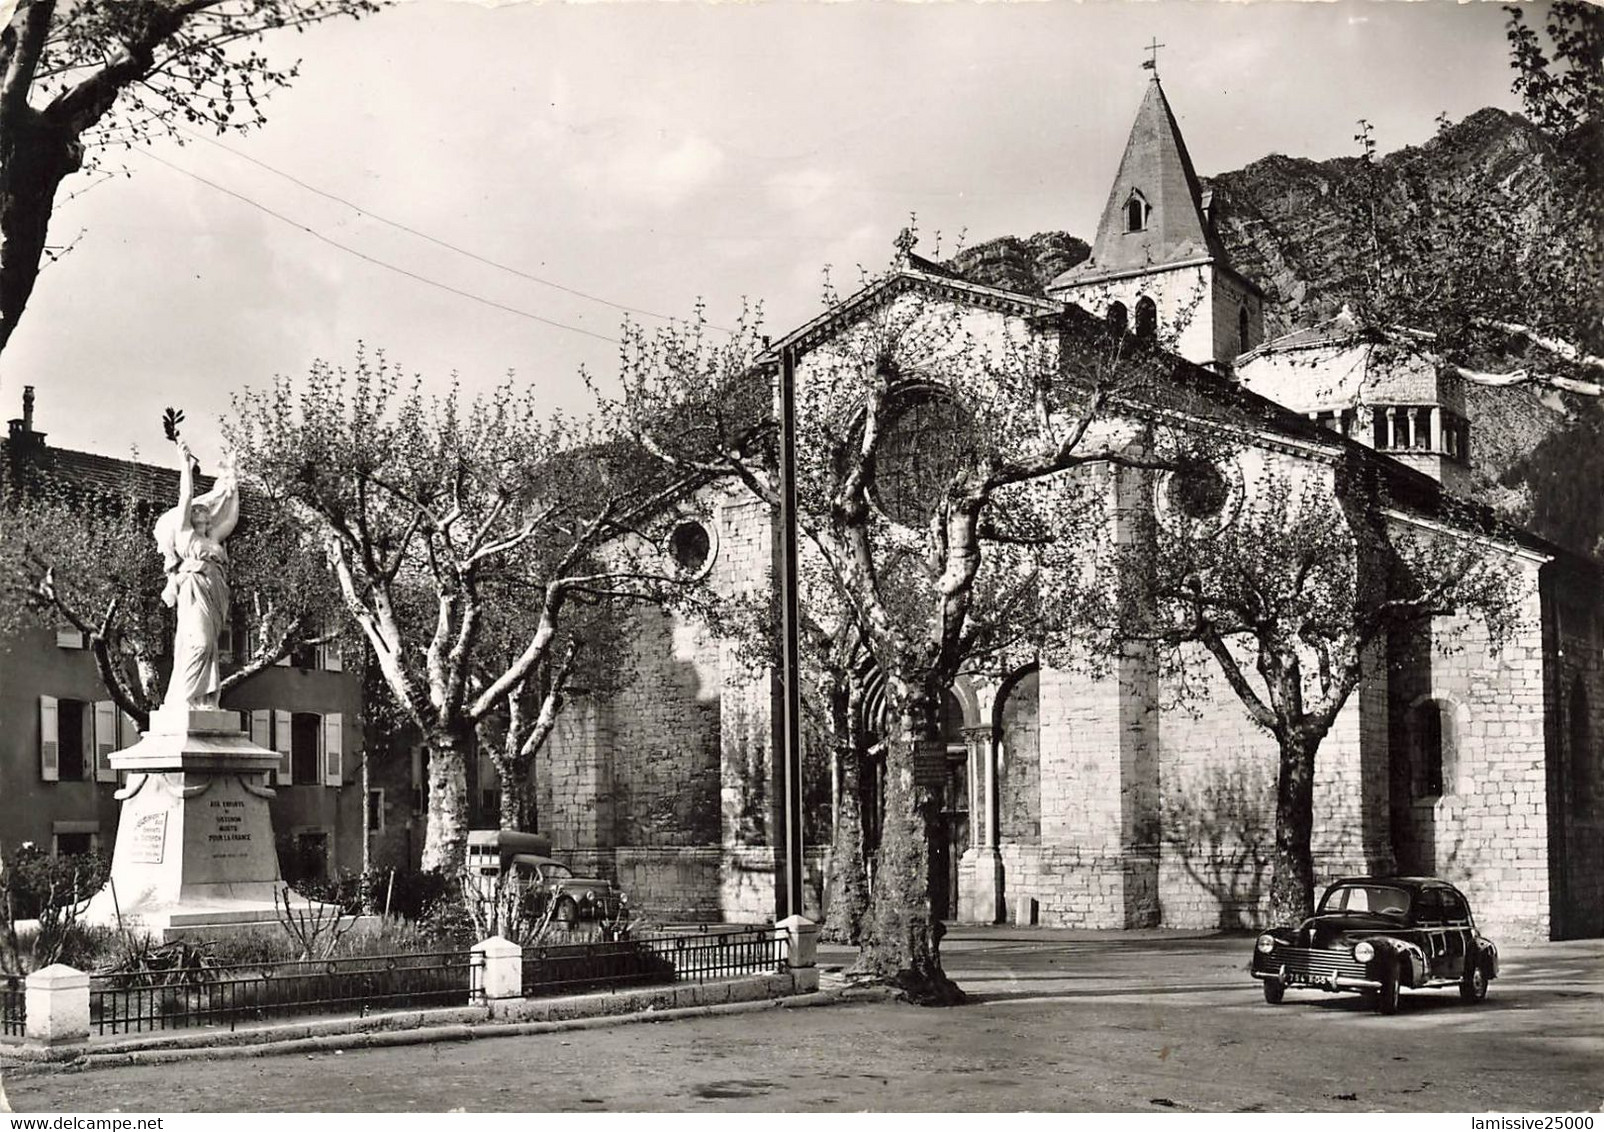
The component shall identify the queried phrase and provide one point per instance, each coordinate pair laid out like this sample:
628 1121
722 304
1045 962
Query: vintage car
526 859
1377 935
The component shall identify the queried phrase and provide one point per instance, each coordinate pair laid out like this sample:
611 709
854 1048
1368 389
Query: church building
1094 801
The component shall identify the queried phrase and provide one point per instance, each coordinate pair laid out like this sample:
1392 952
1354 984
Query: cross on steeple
1151 63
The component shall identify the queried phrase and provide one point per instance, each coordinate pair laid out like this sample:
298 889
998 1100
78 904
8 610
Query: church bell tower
1157 267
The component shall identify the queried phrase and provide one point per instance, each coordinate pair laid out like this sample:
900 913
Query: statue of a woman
190 538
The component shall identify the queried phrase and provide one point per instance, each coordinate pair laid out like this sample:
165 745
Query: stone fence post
500 971
57 1002
803 937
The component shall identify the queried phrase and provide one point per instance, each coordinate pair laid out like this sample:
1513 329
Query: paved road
1059 1021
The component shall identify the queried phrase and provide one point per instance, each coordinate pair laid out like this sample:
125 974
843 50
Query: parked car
526 857
578 897
1377 935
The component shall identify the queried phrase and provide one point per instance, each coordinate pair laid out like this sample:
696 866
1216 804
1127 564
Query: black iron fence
13 1007
651 961
227 995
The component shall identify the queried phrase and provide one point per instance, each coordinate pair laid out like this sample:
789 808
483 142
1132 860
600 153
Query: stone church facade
1097 801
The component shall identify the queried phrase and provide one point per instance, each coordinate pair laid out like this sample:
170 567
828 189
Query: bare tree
1293 596
934 501
87 559
82 74
428 507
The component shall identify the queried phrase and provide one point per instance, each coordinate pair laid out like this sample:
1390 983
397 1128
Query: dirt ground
1059 1021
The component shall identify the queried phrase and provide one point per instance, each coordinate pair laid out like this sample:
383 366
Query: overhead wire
364 256
411 231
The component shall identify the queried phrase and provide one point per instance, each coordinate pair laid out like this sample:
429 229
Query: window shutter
281 744
127 731
69 639
86 741
333 749
49 748
105 740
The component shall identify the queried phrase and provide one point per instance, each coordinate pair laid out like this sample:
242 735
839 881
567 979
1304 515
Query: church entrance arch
949 833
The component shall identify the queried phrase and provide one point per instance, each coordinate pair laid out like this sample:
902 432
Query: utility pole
788 867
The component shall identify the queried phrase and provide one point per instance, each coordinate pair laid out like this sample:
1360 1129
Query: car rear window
1381 899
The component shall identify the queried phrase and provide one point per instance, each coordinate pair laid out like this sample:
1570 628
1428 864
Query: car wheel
1473 987
567 911
1387 996
1274 991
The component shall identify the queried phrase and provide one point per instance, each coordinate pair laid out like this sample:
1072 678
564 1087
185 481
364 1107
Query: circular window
690 545
928 440
1200 497
1198 491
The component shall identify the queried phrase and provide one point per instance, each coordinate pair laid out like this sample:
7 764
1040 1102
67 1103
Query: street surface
1059 1020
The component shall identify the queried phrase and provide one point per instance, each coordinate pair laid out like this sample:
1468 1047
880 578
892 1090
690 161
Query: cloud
651 169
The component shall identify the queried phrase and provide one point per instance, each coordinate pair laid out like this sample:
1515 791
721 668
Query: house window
73 730
1146 318
1118 318
73 844
1242 330
305 729
310 746
375 811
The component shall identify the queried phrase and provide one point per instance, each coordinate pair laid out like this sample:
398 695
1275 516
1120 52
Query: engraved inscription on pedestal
229 838
149 838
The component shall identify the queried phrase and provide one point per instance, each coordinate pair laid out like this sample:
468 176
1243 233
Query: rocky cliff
1490 212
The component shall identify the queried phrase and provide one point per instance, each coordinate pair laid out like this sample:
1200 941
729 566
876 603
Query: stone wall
1576 760
1019 764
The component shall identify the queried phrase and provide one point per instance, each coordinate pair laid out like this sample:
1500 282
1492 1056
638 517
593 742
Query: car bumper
1318 982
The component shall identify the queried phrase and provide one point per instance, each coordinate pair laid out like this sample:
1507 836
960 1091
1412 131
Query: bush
34 882
412 894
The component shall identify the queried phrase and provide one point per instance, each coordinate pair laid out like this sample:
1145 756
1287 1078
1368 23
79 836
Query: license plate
1298 979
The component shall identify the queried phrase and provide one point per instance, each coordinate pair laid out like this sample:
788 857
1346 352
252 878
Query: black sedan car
1377 935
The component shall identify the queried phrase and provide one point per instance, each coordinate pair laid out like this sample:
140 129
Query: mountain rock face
1021 265
1490 200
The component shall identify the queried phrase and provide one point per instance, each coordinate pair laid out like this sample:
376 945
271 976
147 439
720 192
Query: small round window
1199 498
690 545
1198 491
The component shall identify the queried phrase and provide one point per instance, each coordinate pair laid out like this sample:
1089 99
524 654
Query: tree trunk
903 943
445 842
847 885
34 158
1292 881
517 796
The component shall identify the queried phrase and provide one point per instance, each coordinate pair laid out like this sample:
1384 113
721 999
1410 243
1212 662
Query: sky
567 165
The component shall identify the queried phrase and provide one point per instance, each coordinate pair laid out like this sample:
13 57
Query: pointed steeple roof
1155 211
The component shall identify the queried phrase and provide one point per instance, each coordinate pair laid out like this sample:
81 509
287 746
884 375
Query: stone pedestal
195 836
980 887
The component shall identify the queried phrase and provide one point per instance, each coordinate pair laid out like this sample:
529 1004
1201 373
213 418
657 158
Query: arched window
1434 742
1135 213
1146 318
1117 318
1243 345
